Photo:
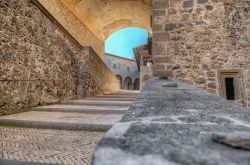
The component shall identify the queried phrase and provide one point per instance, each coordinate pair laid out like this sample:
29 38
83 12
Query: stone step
125 94
112 99
61 120
116 96
83 109
97 102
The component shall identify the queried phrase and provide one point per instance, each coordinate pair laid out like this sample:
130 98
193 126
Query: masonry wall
194 39
39 64
94 75
121 68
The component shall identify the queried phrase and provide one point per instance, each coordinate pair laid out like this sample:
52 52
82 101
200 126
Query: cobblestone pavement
48 146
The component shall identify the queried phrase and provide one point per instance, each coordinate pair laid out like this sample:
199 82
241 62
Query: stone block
160 48
162 59
212 85
202 1
160 4
159 12
159 67
188 3
161 37
170 26
172 11
163 73
157 27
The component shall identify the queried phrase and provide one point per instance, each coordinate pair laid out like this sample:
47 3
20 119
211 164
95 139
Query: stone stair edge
55 125
88 111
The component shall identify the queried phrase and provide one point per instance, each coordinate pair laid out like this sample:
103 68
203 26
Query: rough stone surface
175 126
39 64
202 37
235 140
29 146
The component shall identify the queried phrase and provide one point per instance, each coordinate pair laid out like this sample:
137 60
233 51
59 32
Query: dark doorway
137 84
128 83
230 88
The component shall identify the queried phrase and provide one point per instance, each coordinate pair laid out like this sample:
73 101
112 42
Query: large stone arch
105 17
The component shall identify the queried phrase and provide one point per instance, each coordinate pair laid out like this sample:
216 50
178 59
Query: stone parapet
177 125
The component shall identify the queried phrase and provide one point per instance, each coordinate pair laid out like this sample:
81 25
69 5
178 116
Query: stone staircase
92 114
88 118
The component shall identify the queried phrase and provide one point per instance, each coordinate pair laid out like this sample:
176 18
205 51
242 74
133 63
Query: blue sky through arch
122 42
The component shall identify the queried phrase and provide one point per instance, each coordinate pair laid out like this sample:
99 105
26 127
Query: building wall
194 39
145 74
40 64
119 66
144 60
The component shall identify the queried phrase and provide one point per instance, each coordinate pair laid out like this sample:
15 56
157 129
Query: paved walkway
78 125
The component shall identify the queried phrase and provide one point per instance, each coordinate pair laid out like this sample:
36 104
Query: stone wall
73 25
95 75
193 39
39 64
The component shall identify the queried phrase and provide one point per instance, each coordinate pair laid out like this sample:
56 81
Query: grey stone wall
193 39
39 64
123 67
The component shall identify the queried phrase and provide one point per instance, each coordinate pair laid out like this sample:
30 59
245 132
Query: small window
114 66
128 69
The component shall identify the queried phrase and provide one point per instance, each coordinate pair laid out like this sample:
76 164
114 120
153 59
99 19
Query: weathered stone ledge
176 125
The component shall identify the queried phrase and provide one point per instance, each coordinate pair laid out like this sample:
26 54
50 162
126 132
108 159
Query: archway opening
119 77
137 84
128 83
122 42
